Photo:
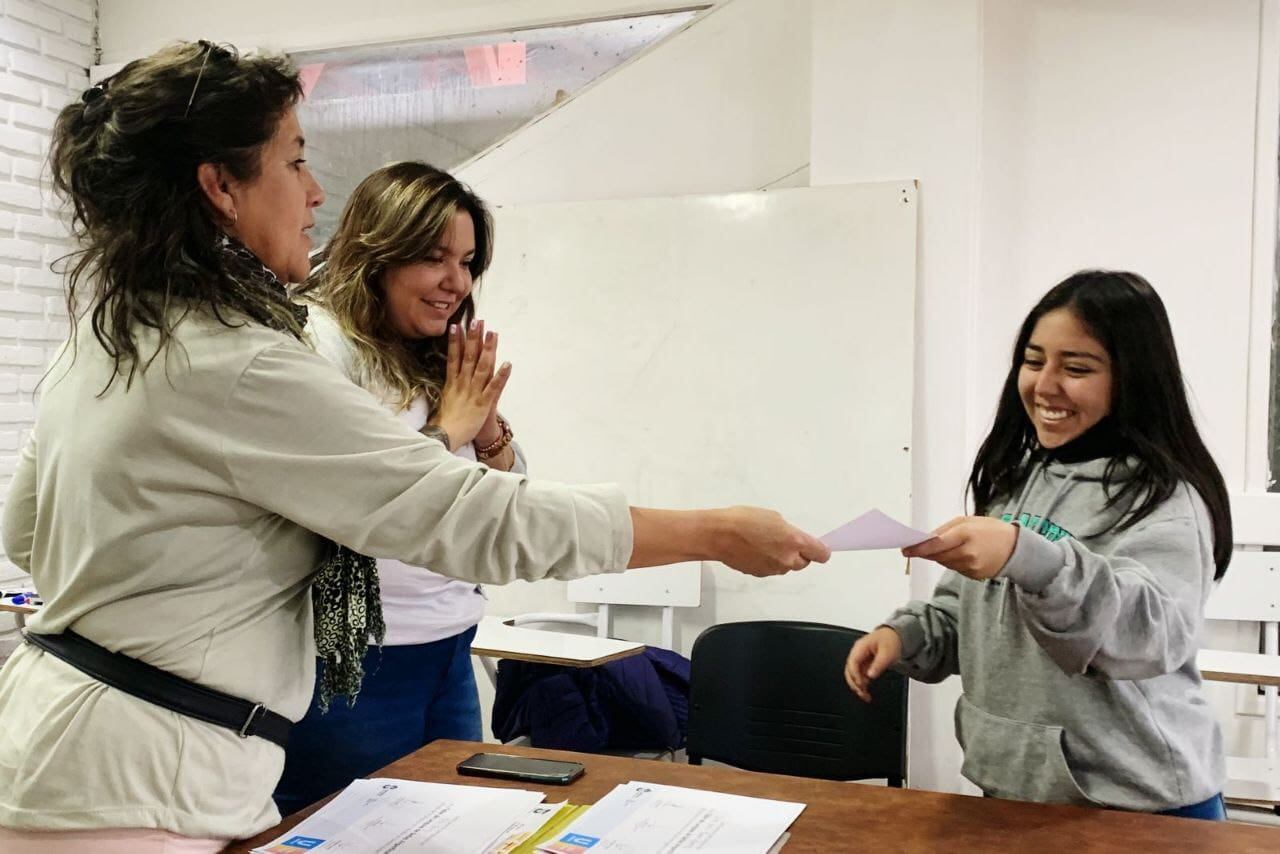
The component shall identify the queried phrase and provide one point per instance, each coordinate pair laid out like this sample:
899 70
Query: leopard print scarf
348 609
345 593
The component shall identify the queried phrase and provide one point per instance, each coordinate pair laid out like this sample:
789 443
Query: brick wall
46 48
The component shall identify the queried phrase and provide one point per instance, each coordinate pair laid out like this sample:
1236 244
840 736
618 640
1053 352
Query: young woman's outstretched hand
974 546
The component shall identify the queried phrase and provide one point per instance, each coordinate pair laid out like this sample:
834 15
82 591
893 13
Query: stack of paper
646 817
409 817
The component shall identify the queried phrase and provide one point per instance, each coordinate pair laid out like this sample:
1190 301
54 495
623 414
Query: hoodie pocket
1015 759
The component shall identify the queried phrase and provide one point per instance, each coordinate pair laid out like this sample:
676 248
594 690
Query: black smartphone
510 767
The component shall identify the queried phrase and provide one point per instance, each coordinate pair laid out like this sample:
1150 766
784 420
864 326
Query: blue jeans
411 695
1214 809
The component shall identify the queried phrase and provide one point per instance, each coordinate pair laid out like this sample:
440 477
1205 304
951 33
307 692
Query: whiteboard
703 351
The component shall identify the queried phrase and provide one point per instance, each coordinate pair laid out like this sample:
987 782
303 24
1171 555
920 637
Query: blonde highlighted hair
398 215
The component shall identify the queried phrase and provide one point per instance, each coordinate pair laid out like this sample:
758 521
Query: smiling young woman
1073 608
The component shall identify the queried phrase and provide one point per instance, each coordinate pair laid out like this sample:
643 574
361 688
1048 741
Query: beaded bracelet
500 444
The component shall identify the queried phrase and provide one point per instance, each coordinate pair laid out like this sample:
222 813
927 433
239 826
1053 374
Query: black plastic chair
770 696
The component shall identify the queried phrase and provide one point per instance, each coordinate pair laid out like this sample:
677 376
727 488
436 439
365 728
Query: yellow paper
566 814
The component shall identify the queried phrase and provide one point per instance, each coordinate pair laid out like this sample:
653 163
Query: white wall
134 28
45 51
897 93
1047 135
1122 135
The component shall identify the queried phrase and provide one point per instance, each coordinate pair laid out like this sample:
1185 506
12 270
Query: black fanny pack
164 689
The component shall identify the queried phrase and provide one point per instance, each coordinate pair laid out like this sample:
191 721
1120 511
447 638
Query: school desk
857 817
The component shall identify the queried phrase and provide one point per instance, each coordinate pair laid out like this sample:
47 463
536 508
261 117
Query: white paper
408 817
647 818
873 530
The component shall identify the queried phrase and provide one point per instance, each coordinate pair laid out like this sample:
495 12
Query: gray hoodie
1078 659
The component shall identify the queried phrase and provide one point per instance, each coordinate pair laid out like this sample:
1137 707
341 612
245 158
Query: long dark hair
125 159
1148 406
397 215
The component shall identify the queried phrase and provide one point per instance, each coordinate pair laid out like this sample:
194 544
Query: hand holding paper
873 530
974 546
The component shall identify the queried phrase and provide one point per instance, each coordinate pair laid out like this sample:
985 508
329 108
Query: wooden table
856 817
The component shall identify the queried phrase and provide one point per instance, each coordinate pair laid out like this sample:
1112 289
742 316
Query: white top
181 520
418 605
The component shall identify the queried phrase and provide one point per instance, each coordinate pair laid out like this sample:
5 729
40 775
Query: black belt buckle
254 714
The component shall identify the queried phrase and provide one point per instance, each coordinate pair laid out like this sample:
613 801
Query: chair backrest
770 696
1249 591
665 587
678 585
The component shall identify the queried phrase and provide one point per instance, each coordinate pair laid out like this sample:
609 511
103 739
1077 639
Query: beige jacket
179 521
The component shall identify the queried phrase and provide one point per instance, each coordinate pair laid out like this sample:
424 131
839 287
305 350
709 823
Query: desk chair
665 588
1250 592
770 696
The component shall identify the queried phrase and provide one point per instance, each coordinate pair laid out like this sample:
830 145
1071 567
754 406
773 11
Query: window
444 101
